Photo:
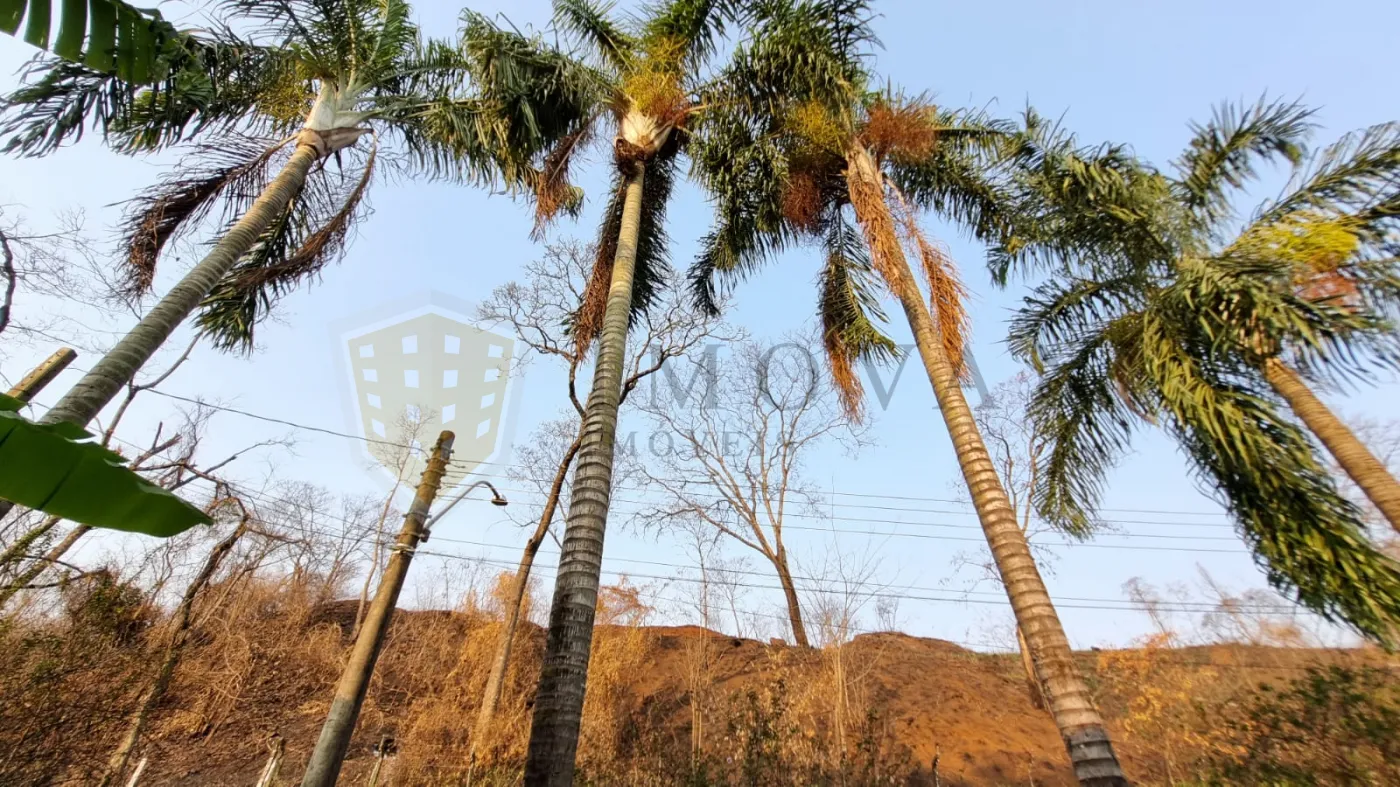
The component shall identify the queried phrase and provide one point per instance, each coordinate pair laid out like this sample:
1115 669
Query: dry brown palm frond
947 295
553 191
901 131
234 167
588 320
841 359
321 246
866 186
802 201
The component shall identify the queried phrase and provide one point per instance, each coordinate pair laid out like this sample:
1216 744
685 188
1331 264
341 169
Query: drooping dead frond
553 191
849 311
947 295
802 201
588 320
311 234
233 166
866 186
903 131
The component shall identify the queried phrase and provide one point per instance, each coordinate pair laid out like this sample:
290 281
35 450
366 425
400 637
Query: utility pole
42 375
329 754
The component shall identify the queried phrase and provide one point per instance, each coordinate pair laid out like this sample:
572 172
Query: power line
463 465
1175 606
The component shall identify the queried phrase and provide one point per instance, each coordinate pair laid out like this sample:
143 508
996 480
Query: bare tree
733 459
38 269
539 310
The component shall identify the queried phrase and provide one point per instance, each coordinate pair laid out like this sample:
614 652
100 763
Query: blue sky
1113 71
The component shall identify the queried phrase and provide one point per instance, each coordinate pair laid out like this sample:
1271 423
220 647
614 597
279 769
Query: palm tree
817 147
337 71
1157 314
643 75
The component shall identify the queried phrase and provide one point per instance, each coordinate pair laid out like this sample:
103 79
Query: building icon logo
423 371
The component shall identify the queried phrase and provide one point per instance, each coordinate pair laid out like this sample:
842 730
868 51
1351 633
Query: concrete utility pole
329 754
42 375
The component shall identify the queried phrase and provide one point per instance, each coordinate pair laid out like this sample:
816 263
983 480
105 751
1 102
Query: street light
496 500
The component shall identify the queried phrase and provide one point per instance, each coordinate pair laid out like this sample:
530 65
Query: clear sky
1114 71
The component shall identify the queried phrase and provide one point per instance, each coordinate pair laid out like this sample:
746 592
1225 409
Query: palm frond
1356 177
947 295
1222 153
849 310
234 167
743 170
307 237
1080 407
590 23
687 30
1309 540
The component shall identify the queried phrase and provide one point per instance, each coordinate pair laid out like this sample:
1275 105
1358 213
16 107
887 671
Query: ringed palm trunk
495 680
564 673
1081 727
1362 466
119 366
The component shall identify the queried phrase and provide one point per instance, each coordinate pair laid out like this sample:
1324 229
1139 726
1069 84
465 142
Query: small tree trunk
38 567
794 607
1362 466
16 551
564 674
495 680
183 617
115 369
1079 722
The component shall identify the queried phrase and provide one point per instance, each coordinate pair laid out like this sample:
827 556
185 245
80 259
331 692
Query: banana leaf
57 469
121 39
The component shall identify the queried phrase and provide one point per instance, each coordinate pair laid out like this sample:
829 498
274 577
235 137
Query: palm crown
1164 307
802 149
343 69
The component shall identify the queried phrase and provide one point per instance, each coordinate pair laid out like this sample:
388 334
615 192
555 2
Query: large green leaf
121 39
58 470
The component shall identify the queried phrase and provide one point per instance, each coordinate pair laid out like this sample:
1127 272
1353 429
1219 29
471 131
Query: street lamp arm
496 500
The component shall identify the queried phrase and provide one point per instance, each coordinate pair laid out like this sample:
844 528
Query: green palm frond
591 24
1309 539
849 312
686 32
1357 177
1087 409
134 44
961 177
1223 153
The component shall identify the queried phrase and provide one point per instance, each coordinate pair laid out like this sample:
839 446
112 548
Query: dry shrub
67 682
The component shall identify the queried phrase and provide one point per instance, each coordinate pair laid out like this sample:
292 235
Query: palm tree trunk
1079 722
495 681
799 630
179 637
1362 466
110 374
564 673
